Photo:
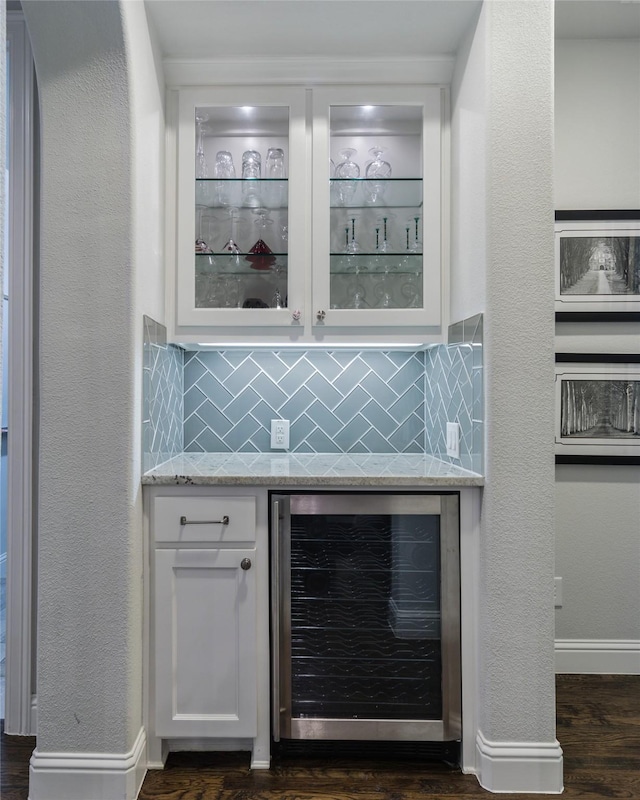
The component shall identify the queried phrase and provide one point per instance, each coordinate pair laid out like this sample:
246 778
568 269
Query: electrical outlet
279 434
453 439
557 592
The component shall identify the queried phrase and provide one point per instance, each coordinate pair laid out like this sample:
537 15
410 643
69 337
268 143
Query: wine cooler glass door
368 624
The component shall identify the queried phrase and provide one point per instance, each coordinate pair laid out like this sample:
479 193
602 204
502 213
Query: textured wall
90 554
517 546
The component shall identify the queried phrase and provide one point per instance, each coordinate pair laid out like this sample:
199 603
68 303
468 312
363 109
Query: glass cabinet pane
241 202
376 199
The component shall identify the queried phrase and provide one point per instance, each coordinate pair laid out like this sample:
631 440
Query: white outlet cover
279 434
453 439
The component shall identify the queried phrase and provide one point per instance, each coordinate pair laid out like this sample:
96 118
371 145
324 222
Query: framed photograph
598 410
597 263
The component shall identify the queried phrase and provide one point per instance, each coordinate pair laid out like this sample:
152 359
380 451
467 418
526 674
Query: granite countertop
307 469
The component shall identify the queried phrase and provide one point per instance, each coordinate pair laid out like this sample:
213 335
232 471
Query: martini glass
261 255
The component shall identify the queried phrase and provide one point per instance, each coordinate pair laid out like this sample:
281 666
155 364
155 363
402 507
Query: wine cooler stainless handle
275 617
223 521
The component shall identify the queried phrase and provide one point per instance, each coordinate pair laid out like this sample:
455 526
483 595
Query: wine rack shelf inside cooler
348 658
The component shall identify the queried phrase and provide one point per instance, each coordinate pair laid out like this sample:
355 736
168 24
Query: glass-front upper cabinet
377 176
241 199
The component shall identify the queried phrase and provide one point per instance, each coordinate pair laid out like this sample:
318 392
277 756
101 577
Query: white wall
468 176
597 124
598 518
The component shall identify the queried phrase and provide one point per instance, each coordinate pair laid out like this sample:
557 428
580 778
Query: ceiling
378 29
597 19
310 28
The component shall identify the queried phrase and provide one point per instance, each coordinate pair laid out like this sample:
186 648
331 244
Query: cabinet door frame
431 100
242 721
187 316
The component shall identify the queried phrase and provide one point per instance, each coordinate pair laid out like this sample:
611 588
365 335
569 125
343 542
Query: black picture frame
606 236
606 389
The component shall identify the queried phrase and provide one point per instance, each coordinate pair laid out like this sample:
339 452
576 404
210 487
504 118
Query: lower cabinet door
205 656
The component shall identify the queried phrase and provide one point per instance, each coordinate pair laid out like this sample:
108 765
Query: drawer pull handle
245 563
223 521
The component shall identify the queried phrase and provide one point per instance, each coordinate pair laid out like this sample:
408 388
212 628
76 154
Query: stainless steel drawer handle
223 521
245 563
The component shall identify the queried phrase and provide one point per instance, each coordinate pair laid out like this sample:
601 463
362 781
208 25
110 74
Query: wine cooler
365 616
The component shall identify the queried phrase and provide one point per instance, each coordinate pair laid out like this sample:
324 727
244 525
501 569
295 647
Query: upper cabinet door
241 200
377 195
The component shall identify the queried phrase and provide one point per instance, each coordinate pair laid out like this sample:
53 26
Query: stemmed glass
347 170
202 170
376 172
261 255
384 245
352 245
410 289
416 247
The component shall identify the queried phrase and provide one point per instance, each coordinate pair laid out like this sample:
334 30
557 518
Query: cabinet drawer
204 519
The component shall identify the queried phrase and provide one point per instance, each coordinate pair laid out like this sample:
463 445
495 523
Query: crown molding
309 72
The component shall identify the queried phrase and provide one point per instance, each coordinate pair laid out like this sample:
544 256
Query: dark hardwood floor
598 728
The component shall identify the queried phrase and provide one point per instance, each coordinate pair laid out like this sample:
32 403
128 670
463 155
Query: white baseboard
519 767
600 656
88 776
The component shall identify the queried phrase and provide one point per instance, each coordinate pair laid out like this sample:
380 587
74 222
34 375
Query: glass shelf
373 263
242 192
376 193
241 264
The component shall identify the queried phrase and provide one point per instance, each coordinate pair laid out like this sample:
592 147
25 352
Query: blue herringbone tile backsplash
336 401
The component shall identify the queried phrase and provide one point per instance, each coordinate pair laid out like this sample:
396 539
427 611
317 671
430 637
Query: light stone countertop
307 469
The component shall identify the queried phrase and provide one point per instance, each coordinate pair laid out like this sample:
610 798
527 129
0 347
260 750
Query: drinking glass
275 170
223 168
251 171
202 170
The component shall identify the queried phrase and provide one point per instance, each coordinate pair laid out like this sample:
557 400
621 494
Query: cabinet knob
245 563
321 315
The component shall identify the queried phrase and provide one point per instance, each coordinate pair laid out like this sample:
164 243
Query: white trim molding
307 71
531 767
88 776
598 656
20 500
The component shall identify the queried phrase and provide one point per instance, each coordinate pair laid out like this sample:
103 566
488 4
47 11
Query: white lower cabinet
205 619
208 601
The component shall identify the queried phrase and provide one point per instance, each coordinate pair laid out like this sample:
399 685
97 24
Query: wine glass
347 170
353 246
376 172
417 241
202 170
384 246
